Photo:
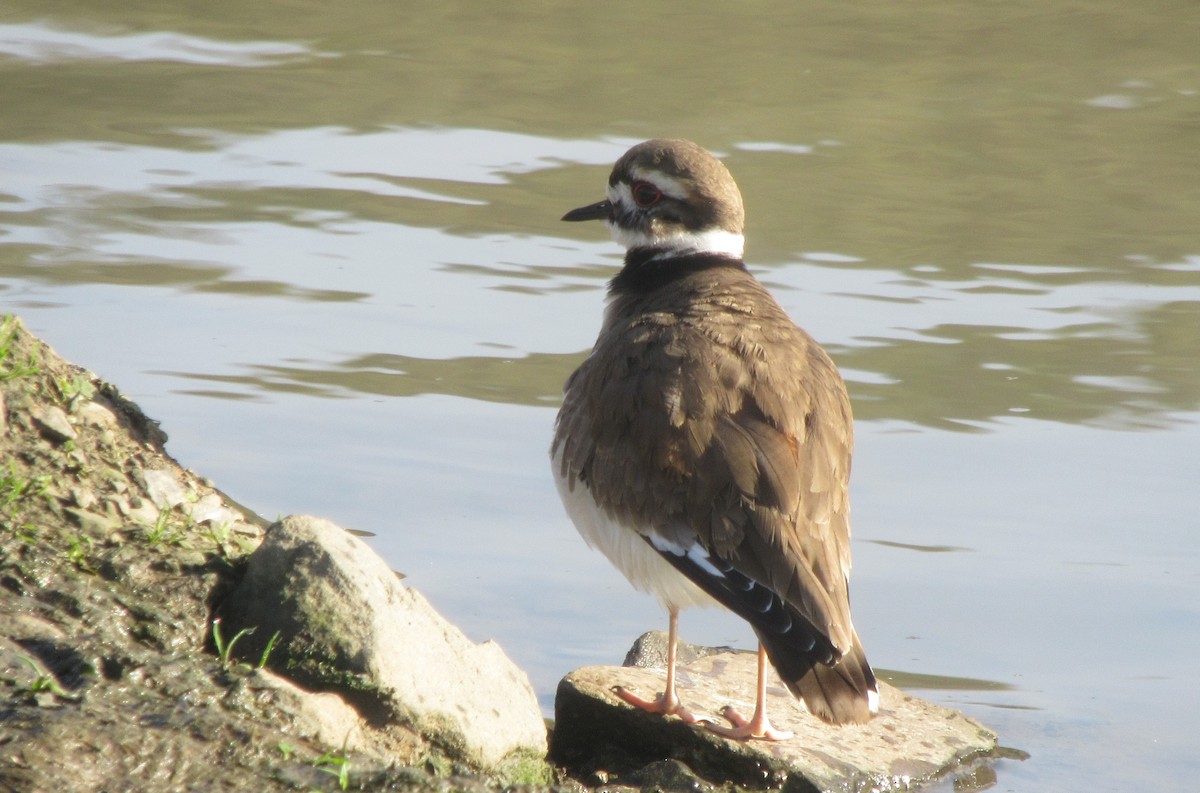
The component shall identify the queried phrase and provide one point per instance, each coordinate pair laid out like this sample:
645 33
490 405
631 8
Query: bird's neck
650 269
680 241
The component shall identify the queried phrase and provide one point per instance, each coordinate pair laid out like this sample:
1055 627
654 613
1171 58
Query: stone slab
909 742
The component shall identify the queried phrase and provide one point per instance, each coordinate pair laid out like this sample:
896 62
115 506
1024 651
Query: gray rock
53 423
96 415
94 523
165 488
909 742
349 625
650 651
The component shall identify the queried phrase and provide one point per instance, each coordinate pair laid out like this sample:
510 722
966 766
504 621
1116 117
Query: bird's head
671 196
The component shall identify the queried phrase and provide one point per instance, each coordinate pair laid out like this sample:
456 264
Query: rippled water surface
320 243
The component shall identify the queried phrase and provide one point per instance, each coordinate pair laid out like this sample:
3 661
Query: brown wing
769 423
782 522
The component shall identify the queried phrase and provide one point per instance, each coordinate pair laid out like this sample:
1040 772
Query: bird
704 444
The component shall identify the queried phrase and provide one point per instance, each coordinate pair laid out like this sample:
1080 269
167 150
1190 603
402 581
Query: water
320 243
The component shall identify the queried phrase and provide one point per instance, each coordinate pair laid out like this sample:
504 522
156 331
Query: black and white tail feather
837 687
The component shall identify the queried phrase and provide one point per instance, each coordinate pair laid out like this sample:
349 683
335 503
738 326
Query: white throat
682 242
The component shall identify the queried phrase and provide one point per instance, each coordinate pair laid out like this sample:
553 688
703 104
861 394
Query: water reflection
534 379
40 43
915 680
1122 366
1085 350
948 345
1063 346
198 276
921 548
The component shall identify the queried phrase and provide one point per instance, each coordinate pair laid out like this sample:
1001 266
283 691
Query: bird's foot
659 705
757 727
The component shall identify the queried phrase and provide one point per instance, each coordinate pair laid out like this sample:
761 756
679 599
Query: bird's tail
843 692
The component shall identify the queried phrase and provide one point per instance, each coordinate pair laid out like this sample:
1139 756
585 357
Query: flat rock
54 424
347 624
910 741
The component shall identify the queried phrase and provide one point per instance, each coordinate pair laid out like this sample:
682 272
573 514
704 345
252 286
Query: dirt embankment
112 559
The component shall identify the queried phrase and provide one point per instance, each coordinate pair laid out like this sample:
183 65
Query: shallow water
321 245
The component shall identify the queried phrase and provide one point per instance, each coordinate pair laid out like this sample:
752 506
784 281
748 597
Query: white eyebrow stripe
669 186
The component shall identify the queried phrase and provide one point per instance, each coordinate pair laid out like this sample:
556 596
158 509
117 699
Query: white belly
626 549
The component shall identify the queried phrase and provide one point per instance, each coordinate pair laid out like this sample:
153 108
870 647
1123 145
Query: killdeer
704 445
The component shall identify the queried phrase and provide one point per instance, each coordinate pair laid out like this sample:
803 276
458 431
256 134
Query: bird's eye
645 194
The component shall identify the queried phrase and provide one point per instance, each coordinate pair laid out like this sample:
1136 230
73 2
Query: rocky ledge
157 636
910 742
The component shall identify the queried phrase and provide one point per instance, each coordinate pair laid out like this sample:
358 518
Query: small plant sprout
12 369
15 489
165 530
225 650
44 682
266 654
78 386
336 764
79 548
219 533
156 533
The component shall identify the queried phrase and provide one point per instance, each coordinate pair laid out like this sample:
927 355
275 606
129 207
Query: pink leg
666 703
758 726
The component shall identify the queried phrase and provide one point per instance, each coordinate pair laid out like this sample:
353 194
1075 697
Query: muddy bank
112 561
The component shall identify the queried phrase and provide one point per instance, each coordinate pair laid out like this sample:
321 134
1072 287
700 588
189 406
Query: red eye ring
645 194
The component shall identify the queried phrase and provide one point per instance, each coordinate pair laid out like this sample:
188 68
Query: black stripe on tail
837 688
